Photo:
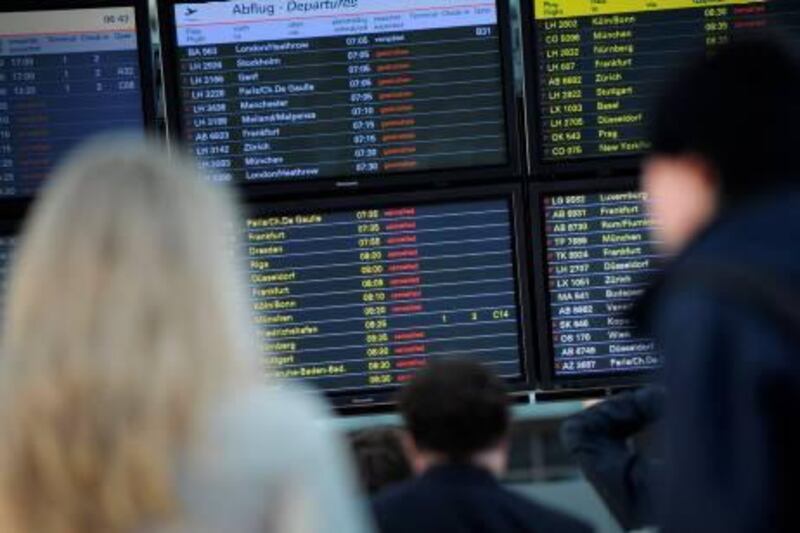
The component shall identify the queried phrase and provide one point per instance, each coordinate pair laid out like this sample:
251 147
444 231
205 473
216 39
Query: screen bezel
9 228
548 380
358 400
538 167
509 171
144 45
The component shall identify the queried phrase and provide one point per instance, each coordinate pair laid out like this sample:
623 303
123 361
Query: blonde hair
123 322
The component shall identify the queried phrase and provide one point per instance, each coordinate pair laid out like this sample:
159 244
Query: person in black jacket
724 179
457 418
601 439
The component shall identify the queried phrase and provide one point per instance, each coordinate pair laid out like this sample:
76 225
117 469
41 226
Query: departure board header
595 69
299 91
359 299
222 22
61 31
551 9
599 257
58 25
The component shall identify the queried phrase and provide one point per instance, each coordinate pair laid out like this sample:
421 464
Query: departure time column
362 104
373 266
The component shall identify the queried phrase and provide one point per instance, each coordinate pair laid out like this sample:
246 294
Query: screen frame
9 228
548 380
352 401
510 171
538 167
146 62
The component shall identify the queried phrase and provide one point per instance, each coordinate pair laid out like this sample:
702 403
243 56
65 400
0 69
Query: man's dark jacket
727 315
464 499
600 440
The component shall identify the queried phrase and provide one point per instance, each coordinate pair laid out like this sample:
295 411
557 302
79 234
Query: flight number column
564 109
210 123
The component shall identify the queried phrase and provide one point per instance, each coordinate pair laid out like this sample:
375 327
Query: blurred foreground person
724 180
129 388
457 418
380 458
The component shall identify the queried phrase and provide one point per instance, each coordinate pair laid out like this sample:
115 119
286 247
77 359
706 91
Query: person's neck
493 461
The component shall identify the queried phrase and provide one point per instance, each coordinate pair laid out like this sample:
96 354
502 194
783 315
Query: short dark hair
739 108
455 407
380 458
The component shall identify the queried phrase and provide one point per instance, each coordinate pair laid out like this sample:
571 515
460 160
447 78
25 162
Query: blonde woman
130 396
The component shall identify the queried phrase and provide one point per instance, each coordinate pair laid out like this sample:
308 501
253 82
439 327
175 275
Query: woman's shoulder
259 404
252 422
261 446
248 452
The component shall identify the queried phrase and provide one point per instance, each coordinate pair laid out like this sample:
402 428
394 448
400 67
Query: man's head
380 458
456 412
726 130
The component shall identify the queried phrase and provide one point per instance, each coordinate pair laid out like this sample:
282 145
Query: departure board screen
600 258
290 90
65 75
602 64
361 299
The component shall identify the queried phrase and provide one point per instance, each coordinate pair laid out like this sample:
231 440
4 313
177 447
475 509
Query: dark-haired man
457 419
724 178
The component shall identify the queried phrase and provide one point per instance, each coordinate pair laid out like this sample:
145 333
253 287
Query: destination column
619 103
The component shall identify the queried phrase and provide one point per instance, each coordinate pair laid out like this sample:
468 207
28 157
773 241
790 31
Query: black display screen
361 298
290 90
600 65
600 257
65 75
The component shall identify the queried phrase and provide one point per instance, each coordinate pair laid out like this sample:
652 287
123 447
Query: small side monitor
68 71
597 255
594 69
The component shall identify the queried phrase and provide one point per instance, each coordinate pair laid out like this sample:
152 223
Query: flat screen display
600 258
599 65
290 90
65 75
359 299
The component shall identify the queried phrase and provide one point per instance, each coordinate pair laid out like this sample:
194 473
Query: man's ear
408 444
413 454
